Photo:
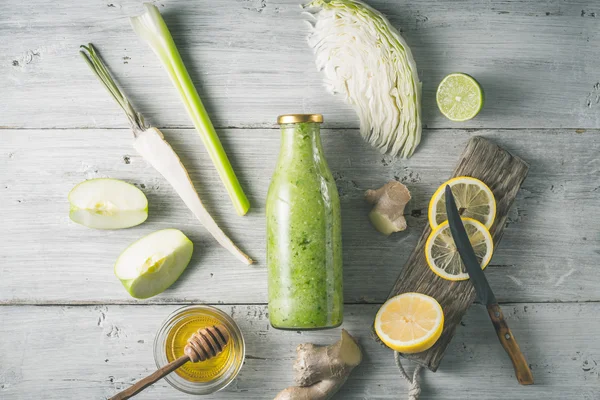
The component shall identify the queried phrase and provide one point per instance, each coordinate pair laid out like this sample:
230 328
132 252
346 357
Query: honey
202 377
203 371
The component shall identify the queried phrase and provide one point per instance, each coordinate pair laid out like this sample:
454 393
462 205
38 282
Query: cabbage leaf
366 60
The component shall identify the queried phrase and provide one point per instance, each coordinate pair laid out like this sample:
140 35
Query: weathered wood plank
537 61
503 173
92 352
550 250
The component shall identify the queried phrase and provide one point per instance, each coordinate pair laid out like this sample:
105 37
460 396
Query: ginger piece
387 215
320 371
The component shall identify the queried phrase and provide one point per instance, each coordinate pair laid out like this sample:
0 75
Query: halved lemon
442 255
410 322
474 199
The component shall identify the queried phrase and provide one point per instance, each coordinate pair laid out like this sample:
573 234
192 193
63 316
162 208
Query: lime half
459 97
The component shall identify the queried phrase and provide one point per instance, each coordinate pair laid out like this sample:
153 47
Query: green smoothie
304 246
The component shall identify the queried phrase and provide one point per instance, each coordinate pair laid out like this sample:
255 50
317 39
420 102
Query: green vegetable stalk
151 27
151 144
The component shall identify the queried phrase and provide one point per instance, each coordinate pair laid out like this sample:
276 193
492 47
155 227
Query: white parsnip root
151 144
387 215
320 371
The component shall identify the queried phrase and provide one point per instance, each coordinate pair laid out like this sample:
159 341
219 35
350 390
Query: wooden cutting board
503 173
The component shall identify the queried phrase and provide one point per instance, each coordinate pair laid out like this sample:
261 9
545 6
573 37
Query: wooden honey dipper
201 346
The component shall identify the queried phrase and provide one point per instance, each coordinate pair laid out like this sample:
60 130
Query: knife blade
485 295
484 292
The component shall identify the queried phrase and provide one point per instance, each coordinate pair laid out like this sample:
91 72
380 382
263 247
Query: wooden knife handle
510 344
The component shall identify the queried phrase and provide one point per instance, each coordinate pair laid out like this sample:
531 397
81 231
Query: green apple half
107 204
153 263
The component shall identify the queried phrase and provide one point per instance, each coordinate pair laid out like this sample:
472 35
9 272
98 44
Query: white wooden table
68 329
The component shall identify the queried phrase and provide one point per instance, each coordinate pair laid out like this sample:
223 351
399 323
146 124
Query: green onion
151 28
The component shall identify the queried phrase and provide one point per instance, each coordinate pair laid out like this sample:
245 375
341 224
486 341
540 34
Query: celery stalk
151 28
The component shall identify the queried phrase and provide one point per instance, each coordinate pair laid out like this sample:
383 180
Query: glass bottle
304 238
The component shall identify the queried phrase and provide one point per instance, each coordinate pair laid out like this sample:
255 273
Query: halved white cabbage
364 58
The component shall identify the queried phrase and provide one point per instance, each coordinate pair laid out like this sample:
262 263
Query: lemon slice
473 200
442 255
410 322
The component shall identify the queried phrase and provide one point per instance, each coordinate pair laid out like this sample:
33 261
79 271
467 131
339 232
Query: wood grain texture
550 250
504 174
510 344
537 61
93 352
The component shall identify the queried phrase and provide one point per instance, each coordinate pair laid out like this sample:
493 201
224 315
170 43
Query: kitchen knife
484 291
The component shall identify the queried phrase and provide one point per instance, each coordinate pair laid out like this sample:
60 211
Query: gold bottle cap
299 118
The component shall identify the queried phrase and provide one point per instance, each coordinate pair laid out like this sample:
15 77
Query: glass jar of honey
203 377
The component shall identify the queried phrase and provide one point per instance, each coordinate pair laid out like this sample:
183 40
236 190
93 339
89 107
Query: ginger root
320 371
387 215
